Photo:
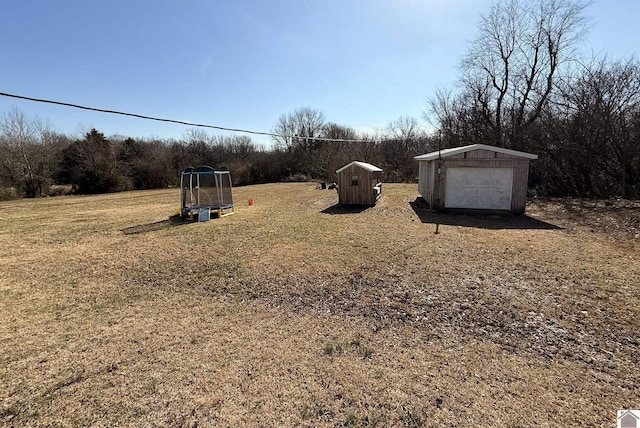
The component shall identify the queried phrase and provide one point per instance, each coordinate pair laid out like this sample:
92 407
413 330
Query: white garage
478 177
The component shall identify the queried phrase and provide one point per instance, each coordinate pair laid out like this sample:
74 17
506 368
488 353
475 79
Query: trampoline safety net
204 187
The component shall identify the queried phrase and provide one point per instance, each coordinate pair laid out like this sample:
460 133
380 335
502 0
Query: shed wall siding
480 154
520 187
507 156
439 174
431 181
482 163
425 180
423 177
363 193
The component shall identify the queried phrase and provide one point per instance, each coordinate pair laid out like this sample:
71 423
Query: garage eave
458 150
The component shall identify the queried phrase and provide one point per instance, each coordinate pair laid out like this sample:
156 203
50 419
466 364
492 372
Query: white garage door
478 188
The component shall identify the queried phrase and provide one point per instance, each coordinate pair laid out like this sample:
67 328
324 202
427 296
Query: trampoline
204 192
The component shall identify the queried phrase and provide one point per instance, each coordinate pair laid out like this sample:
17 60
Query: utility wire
180 122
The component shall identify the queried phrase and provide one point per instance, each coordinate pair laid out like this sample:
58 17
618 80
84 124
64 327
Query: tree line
522 85
36 161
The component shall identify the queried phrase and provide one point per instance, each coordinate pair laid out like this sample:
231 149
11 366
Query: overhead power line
180 122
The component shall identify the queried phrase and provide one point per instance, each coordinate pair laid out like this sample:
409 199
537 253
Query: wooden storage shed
359 184
476 177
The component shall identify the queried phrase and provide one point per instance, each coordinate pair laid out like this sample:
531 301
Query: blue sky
243 63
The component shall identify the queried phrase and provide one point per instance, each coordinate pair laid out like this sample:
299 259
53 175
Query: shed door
478 188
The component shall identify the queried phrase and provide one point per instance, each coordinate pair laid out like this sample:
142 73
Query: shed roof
457 150
363 165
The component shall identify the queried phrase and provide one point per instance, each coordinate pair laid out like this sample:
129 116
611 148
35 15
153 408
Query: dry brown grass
294 312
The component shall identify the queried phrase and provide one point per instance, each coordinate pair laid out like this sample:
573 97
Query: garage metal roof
457 150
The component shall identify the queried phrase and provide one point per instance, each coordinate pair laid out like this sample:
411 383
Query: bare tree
299 128
28 149
402 139
404 128
511 67
460 119
299 134
600 113
333 151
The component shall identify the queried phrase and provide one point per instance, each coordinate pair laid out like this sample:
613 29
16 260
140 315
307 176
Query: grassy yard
295 312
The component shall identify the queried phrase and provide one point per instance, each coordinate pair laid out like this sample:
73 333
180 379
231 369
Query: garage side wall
520 186
426 180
